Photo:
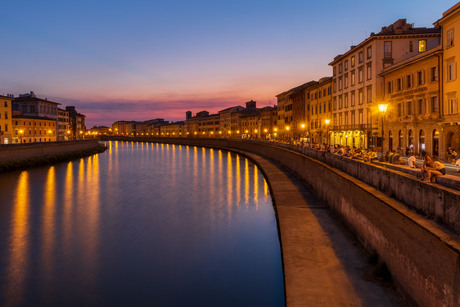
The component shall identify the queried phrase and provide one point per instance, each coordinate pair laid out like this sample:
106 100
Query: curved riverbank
26 156
422 255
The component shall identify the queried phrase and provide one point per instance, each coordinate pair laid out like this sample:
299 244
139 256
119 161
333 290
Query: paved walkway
323 264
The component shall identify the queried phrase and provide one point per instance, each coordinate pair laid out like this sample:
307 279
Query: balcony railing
360 127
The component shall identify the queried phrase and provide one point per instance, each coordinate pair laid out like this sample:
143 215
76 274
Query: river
142 224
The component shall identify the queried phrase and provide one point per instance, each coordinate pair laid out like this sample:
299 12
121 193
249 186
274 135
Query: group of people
432 166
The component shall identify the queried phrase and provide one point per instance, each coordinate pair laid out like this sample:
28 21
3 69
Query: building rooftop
398 28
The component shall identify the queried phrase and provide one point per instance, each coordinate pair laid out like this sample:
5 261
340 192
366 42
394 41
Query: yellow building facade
414 113
33 129
320 118
450 123
6 124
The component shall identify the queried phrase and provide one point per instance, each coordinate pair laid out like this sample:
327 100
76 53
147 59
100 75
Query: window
360 97
6 127
450 71
398 84
6 116
340 84
369 52
340 102
360 57
387 50
422 45
353 61
346 81
450 38
400 111
360 75
369 71
409 107
352 78
360 116
6 103
434 104
334 70
411 46
452 105
346 65
434 74
340 68
408 81
369 94
389 87
353 98
420 78
346 100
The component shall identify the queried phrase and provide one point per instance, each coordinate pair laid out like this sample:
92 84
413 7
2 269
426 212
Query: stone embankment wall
422 255
9 153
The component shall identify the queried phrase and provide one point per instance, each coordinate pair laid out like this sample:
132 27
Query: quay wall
422 255
11 153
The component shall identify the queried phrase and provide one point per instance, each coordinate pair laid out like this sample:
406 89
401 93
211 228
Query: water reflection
18 263
127 226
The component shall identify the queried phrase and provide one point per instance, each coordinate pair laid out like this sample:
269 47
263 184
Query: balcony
358 127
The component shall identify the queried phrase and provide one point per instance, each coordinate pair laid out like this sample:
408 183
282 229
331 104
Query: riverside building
320 105
449 124
412 92
357 88
6 124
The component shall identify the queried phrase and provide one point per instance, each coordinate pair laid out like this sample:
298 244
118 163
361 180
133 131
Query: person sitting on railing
438 169
373 155
426 167
411 162
398 160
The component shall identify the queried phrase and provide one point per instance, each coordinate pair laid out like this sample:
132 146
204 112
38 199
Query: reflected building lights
246 181
238 181
229 185
256 186
266 189
48 227
18 262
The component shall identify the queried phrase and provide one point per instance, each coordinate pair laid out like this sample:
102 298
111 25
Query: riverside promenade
323 264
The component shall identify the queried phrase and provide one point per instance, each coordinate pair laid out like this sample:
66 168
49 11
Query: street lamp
20 135
327 121
382 109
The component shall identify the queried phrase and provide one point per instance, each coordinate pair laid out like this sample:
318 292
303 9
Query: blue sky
136 60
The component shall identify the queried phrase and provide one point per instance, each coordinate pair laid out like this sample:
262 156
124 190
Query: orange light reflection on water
19 243
48 226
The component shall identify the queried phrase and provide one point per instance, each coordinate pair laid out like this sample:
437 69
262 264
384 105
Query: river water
141 224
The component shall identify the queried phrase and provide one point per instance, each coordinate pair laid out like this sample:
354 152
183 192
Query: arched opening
435 142
390 140
421 143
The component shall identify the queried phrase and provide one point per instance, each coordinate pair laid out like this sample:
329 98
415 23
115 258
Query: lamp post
382 109
327 122
20 135
302 126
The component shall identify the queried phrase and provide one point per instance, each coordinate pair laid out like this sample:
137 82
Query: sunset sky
144 59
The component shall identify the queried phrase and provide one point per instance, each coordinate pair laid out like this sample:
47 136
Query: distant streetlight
327 121
382 109
21 132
